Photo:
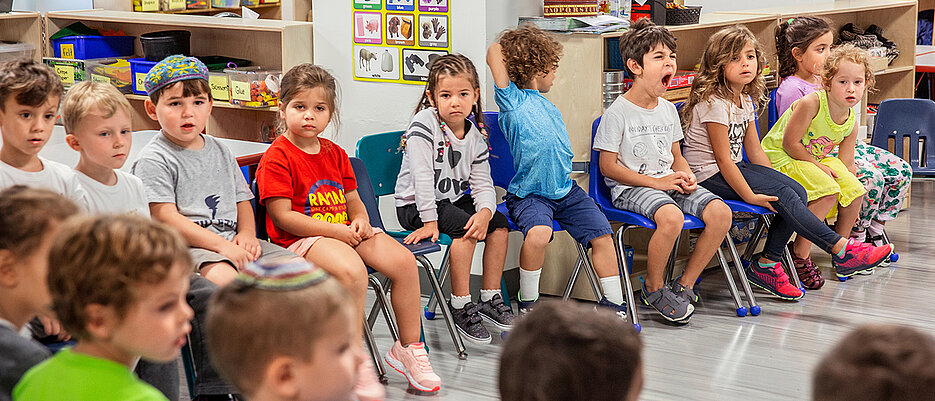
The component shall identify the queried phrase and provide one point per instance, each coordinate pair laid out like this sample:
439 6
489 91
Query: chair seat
443 239
738 206
635 219
420 248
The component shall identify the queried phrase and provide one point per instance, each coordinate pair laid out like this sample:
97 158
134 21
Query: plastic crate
70 71
87 47
11 50
138 69
114 71
254 86
683 16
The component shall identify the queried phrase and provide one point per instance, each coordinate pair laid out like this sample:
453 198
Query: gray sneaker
468 322
684 292
672 307
496 312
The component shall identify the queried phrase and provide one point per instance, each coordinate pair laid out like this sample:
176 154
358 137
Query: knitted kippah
281 275
173 69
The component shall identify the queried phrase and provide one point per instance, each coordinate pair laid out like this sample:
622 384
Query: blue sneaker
620 310
527 306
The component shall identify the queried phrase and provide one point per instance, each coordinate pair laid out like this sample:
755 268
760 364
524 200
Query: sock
875 229
529 284
459 302
840 253
487 295
766 265
612 289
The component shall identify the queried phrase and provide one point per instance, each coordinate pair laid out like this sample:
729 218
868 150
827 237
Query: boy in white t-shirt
97 121
30 93
642 163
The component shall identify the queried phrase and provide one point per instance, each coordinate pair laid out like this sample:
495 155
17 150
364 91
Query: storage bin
220 63
69 70
254 86
161 44
172 5
88 47
138 69
195 4
249 3
11 50
269 1
220 88
683 16
145 5
225 3
114 71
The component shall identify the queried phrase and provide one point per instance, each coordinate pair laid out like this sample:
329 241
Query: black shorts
451 217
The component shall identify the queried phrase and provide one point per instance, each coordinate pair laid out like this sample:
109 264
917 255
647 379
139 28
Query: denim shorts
576 212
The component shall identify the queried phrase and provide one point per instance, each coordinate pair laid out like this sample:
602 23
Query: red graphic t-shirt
315 183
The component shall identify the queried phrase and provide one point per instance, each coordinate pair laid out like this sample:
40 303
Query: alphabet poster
395 40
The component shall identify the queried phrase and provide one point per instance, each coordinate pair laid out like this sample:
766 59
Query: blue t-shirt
538 141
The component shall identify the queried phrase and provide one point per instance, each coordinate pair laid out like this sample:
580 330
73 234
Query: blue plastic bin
87 47
138 69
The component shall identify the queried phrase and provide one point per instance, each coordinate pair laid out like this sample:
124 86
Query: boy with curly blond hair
523 62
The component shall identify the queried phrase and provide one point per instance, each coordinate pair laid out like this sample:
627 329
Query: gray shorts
646 201
269 251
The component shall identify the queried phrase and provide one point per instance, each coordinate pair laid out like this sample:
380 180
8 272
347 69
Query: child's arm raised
197 236
846 150
803 111
279 210
720 144
246 230
497 65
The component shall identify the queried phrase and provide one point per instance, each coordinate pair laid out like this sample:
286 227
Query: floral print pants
886 177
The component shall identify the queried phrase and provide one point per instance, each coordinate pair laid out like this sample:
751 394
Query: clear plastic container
172 5
115 71
145 5
11 50
69 70
250 3
225 3
254 86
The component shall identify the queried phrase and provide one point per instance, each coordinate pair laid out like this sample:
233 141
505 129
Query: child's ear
150 109
634 67
9 277
100 320
428 95
281 378
72 142
796 53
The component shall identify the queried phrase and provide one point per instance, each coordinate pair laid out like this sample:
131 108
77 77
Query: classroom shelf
217 104
24 27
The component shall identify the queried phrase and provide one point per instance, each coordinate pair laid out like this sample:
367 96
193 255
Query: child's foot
807 271
496 312
669 305
468 322
772 279
413 362
368 386
527 306
686 293
859 257
620 310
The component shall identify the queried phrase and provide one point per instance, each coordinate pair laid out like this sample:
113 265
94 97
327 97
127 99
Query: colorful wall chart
394 40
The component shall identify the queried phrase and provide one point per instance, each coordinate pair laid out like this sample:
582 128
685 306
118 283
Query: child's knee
538 236
717 216
669 219
350 272
602 242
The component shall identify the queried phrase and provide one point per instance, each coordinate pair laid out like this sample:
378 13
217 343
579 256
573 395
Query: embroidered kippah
173 69
280 275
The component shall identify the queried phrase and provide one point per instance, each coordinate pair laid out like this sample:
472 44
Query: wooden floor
719 356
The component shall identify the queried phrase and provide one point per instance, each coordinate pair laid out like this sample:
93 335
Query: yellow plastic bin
114 71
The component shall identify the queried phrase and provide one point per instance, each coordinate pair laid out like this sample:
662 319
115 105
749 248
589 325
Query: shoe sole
473 339
398 366
775 293
681 320
495 323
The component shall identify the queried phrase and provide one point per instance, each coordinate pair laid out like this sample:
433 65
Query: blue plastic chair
914 119
502 171
598 190
772 112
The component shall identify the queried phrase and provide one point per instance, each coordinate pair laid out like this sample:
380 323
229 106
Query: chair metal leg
625 275
571 280
504 293
589 270
761 224
731 286
433 280
787 259
381 303
886 240
374 353
188 364
754 308
670 265
433 297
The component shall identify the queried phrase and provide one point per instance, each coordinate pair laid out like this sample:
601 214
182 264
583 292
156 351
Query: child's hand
346 235
670 182
477 225
828 170
362 227
762 201
236 254
690 184
53 327
428 230
250 244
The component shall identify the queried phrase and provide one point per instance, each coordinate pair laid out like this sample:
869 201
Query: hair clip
790 21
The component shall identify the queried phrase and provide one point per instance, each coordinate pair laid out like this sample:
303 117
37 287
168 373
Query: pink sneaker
772 279
413 362
368 386
859 257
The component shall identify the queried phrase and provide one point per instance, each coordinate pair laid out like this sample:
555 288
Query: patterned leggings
886 178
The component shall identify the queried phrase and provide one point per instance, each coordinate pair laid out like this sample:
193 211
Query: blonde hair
711 80
92 97
247 327
853 54
99 260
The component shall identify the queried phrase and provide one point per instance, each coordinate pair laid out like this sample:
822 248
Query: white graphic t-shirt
697 148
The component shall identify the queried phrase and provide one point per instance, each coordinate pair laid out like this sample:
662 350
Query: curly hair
850 53
641 38
30 82
797 32
529 51
451 65
710 80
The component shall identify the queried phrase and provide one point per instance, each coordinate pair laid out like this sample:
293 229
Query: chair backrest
259 212
366 193
772 113
907 118
382 157
501 160
597 188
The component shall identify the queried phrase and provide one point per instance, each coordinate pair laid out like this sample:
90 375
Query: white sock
487 295
875 229
459 302
529 284
612 289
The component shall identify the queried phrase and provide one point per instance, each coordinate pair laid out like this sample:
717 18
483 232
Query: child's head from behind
648 51
29 97
846 74
879 363
29 219
567 351
179 97
530 54
308 101
120 282
97 121
453 87
284 330
803 43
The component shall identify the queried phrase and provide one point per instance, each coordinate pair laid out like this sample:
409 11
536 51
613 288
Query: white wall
734 5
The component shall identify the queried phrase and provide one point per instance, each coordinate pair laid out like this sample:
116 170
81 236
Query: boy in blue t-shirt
523 63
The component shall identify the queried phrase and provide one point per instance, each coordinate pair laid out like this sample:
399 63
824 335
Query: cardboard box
570 8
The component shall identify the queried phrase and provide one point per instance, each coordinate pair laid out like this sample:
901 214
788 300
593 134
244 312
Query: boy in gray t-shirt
192 181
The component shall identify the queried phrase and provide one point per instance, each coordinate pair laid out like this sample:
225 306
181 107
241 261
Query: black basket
683 16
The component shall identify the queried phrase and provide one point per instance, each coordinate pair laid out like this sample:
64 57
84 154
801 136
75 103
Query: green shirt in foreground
79 377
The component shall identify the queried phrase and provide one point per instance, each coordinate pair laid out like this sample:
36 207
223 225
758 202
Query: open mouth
188 126
666 79
850 98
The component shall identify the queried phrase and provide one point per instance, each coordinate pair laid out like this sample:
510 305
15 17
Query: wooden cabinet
24 27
